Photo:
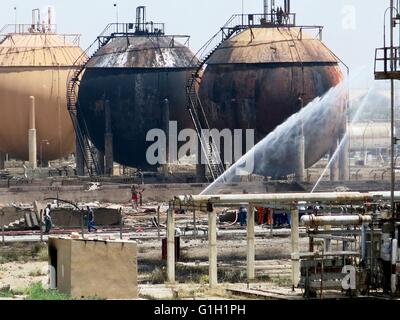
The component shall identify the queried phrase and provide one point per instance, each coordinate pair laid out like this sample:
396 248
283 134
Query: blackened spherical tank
140 74
257 78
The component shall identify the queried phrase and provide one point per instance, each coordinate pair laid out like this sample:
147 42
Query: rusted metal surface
136 82
273 45
143 52
36 65
248 85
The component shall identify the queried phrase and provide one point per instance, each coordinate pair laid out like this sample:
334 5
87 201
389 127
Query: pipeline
313 221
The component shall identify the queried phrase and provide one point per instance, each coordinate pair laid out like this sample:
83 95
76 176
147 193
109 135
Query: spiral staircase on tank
194 104
83 140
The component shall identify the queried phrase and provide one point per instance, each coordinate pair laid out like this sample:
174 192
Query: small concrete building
93 268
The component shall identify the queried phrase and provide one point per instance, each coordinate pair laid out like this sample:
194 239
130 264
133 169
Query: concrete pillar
108 142
250 244
212 243
101 161
171 246
295 247
32 134
2 160
344 165
335 163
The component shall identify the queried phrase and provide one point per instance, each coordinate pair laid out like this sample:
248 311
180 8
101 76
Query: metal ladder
194 104
81 130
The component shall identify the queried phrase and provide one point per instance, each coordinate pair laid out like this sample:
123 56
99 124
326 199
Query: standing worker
91 224
242 216
135 198
47 219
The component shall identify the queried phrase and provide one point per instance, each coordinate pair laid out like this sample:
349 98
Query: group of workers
48 222
280 15
266 216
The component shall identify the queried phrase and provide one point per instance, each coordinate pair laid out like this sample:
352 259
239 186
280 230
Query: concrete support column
212 243
2 160
250 244
32 134
295 247
171 245
101 161
108 142
344 165
335 162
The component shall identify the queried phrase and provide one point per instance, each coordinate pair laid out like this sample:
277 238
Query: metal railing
261 20
28 29
387 60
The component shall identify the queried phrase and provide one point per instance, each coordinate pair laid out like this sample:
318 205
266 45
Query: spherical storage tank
254 81
136 72
35 61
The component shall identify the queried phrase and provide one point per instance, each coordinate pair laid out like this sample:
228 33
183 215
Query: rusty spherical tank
36 64
255 79
136 74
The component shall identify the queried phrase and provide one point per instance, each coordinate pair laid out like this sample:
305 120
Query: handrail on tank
28 29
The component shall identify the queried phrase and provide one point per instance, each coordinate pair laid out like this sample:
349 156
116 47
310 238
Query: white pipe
32 144
318 221
394 262
289 198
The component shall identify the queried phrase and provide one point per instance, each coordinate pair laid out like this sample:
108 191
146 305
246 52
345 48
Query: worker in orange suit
260 212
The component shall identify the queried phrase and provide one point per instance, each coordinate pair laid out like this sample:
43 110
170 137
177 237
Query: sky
352 28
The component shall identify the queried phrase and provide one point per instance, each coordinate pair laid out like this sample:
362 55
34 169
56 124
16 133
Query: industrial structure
35 62
260 70
133 83
366 261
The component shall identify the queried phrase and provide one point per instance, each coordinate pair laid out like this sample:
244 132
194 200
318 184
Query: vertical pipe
300 166
295 248
250 244
82 224
80 157
392 100
32 134
363 242
108 141
2 227
394 262
158 224
41 224
171 245
200 166
212 243
194 223
120 223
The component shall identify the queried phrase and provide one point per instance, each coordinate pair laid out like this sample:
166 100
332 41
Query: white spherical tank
36 61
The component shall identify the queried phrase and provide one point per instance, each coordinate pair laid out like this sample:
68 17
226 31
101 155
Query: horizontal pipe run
292 199
313 221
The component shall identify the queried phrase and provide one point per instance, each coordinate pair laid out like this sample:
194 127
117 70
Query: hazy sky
353 28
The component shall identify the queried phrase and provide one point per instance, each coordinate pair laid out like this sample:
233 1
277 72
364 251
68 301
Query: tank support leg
80 159
300 156
344 170
334 162
165 121
200 167
108 143
32 134
2 160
